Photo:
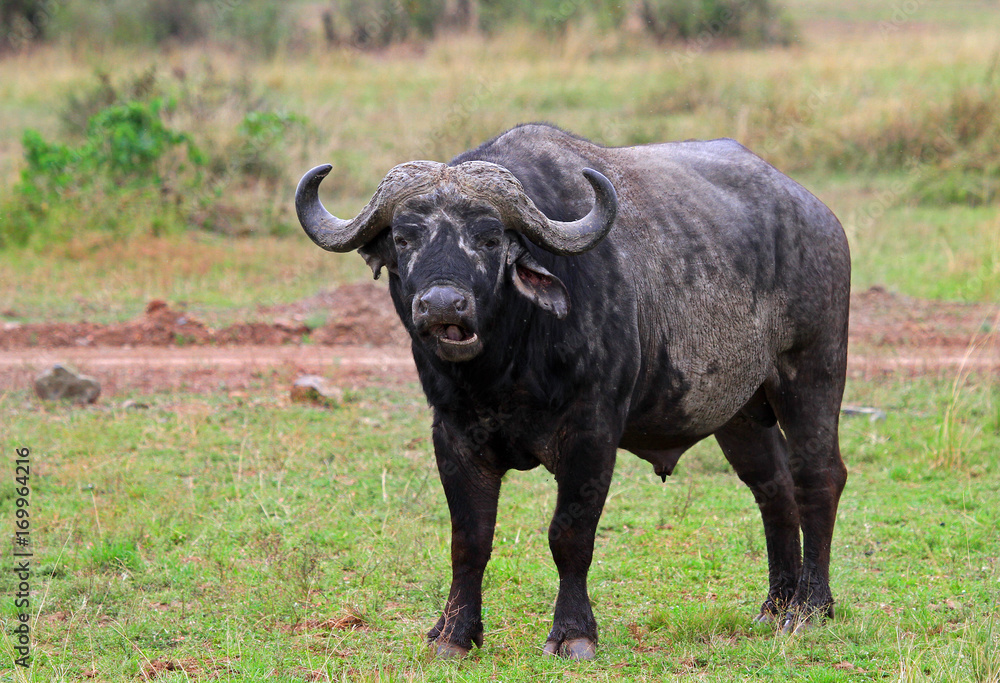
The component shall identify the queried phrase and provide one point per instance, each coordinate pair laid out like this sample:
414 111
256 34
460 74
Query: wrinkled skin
717 305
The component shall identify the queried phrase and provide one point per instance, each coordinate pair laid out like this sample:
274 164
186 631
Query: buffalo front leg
472 490
583 487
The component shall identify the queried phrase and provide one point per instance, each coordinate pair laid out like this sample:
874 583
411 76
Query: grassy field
251 538
241 538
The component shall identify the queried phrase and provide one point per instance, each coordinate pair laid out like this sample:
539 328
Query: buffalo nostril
440 300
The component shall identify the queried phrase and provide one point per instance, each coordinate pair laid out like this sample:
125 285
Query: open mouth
455 343
453 335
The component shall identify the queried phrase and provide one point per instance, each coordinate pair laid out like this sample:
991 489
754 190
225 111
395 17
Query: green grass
867 13
218 279
222 533
930 252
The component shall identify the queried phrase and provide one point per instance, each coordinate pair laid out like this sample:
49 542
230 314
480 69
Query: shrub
949 148
137 159
128 154
80 106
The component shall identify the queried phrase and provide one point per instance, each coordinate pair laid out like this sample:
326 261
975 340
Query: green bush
259 149
127 155
142 163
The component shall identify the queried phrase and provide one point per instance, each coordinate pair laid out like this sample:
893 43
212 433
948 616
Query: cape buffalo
566 300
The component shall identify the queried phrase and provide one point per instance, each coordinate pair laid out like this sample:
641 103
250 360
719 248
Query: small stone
874 414
134 405
60 383
315 389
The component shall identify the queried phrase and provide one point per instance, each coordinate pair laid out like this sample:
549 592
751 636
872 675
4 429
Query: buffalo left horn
337 234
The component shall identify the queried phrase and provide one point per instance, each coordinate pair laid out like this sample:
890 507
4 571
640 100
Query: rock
155 305
874 414
315 389
59 383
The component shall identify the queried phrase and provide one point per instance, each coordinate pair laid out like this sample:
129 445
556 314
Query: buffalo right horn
337 234
499 186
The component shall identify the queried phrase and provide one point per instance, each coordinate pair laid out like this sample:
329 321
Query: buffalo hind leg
583 481
760 457
806 401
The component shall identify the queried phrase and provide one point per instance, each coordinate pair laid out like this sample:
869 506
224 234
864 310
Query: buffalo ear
537 284
378 253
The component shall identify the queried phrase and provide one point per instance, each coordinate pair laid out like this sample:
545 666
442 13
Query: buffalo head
451 236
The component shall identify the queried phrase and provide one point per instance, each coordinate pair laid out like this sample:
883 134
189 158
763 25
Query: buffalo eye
489 240
401 242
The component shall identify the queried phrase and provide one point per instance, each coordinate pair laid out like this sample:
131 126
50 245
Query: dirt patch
358 314
189 667
361 313
209 369
348 622
895 334
880 318
362 342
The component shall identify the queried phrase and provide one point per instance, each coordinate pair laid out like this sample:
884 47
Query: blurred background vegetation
265 26
153 118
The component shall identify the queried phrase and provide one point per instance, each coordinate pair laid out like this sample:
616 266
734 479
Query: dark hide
717 305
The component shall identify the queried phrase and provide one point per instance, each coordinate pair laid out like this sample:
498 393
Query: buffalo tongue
454 333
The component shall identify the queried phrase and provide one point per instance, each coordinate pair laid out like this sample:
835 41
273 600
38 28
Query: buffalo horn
337 234
519 213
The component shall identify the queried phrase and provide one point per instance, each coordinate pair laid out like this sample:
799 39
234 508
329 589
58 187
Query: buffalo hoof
800 621
574 648
765 617
446 650
794 625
